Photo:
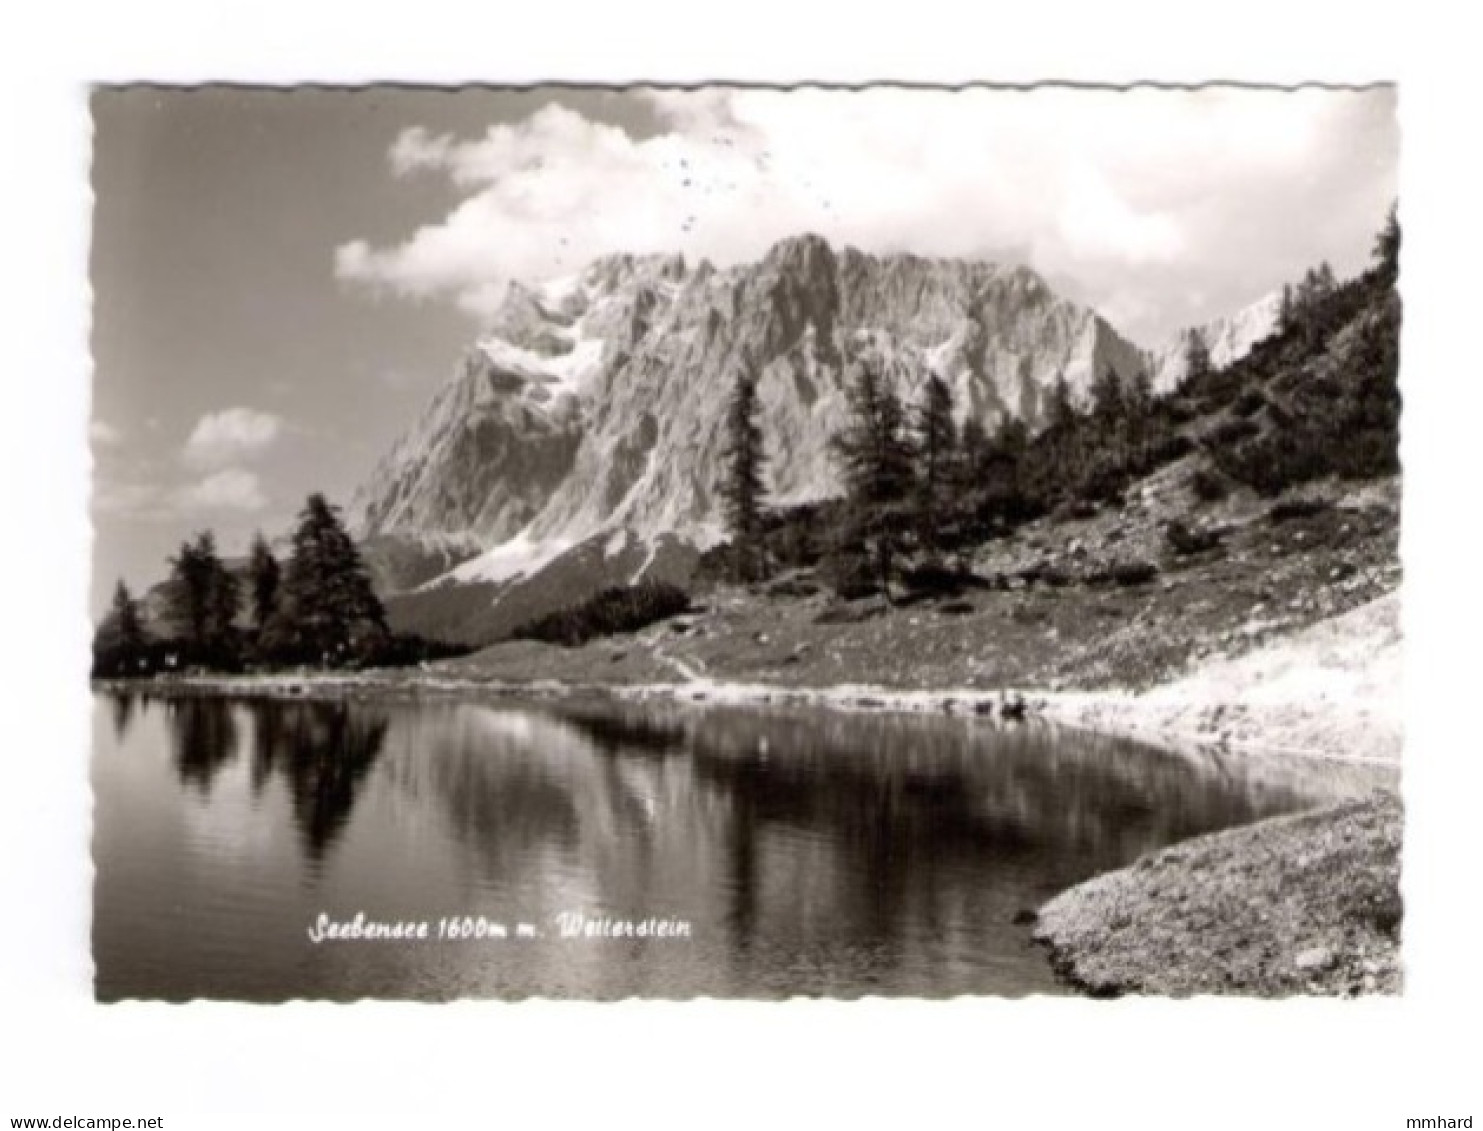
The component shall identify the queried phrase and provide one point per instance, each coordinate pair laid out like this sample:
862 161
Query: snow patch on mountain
593 405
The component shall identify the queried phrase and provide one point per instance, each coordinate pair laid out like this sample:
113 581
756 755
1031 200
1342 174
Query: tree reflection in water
323 750
123 703
203 738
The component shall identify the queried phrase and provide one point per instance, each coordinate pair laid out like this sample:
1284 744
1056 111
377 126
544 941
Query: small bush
1249 403
850 575
1289 509
1208 485
1126 573
1073 509
1184 541
792 587
615 610
1233 431
934 578
846 613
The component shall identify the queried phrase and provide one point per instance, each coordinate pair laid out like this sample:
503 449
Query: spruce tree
1387 251
223 605
973 454
1107 397
128 622
1196 355
741 485
875 458
264 572
120 646
936 443
192 572
203 598
327 612
1060 411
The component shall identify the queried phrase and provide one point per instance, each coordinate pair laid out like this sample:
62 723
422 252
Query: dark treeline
1318 397
315 610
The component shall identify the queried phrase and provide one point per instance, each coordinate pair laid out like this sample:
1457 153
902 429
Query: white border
985 1063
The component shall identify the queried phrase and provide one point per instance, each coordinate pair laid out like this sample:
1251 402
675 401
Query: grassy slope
1267 580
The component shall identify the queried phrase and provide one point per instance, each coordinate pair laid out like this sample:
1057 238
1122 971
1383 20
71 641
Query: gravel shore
1307 904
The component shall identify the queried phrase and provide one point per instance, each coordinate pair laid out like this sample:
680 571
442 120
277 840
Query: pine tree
223 604
128 621
1286 312
741 487
875 459
265 574
192 572
1107 397
936 442
1060 412
1138 408
121 646
1196 355
973 454
327 613
1387 251
203 599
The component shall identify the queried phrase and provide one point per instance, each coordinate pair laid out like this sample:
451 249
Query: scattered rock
1313 959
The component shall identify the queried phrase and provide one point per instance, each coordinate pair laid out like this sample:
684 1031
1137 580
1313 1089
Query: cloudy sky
282 279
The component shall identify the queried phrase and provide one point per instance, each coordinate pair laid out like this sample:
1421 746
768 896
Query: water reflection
324 750
203 739
321 750
813 853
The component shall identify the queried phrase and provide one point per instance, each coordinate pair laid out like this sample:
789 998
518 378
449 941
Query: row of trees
318 608
915 482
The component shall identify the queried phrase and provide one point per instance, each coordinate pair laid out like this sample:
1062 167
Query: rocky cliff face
595 403
1228 339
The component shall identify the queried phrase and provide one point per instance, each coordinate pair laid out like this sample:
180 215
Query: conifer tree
121 644
327 612
128 622
973 454
1196 355
1286 311
936 441
875 458
265 574
741 486
203 598
223 605
1060 412
1107 397
1387 251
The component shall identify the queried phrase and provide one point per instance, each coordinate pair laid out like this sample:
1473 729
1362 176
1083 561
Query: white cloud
231 489
231 434
1134 199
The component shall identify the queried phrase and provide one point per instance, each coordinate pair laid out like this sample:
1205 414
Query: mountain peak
597 402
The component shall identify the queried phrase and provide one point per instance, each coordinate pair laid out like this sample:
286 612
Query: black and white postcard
720 541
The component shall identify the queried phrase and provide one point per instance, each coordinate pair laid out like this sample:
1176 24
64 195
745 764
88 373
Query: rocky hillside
593 403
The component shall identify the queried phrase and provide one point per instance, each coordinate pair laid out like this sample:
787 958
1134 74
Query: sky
282 279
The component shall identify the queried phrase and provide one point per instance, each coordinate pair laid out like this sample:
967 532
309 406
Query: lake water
721 852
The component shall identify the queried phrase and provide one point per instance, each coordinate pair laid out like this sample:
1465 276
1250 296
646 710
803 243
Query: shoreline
1327 695
1302 695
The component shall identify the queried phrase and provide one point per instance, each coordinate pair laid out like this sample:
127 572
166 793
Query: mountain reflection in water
810 852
